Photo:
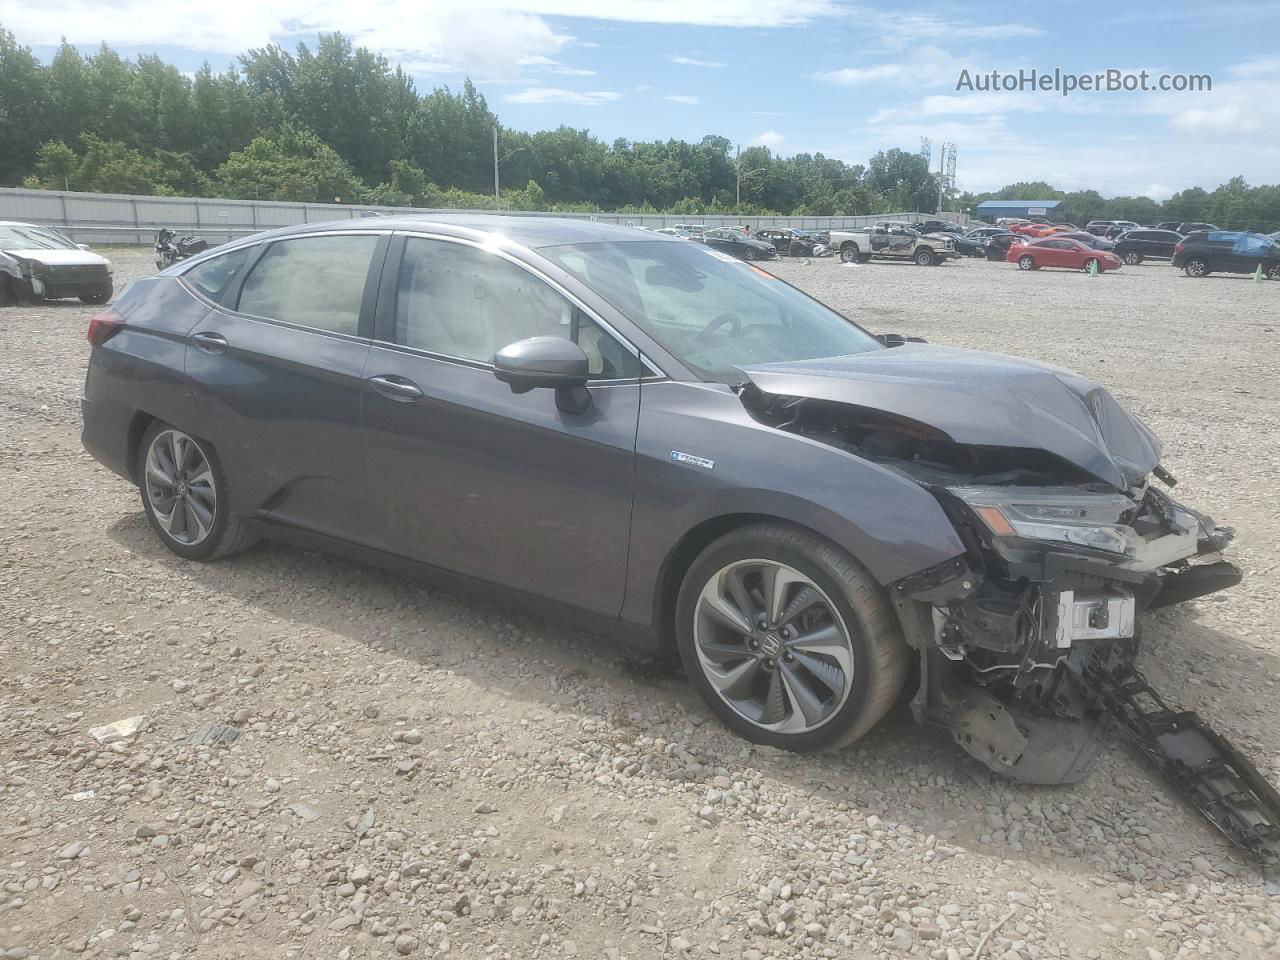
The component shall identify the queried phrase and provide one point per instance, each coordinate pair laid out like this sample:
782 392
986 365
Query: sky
833 76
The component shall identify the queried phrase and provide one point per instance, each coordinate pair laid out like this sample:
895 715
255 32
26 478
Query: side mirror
546 362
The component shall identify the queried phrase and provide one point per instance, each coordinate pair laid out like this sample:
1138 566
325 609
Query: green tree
24 102
56 167
292 164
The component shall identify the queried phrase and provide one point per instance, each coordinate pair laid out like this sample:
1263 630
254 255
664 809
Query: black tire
1133 258
749 253
849 253
1086 266
99 298
879 654
227 534
1196 267
7 298
1026 262
1272 272
925 258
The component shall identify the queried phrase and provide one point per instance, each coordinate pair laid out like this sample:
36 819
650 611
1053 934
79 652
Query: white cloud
644 87
853 76
579 98
691 62
486 39
555 66
681 98
1230 118
770 138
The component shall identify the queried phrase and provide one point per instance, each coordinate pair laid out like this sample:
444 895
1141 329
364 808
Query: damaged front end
1027 641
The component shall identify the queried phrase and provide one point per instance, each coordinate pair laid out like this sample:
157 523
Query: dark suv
667 445
1138 245
1227 251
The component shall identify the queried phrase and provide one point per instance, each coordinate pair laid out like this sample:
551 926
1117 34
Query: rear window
216 278
315 282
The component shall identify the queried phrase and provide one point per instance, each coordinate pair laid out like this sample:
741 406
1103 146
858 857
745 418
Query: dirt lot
418 775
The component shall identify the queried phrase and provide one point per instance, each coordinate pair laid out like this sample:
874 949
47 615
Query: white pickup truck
893 240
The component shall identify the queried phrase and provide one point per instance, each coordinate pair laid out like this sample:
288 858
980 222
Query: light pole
497 162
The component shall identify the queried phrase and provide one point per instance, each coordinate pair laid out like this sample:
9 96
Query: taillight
1177 247
103 326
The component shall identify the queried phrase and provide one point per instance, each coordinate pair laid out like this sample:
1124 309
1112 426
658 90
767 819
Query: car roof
525 231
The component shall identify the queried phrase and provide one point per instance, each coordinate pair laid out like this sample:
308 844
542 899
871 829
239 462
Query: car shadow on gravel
907 774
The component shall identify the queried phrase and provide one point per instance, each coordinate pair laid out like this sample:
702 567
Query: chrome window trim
495 249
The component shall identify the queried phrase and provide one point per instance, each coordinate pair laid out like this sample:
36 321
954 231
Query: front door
278 369
466 475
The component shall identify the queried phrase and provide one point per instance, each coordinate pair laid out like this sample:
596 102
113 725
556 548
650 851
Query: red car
1060 252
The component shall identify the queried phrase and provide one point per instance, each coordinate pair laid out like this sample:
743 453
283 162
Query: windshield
712 311
33 238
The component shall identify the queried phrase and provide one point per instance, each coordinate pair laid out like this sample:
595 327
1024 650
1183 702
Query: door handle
210 342
396 388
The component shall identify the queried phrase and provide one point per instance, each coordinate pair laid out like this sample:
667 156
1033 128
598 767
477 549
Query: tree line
339 123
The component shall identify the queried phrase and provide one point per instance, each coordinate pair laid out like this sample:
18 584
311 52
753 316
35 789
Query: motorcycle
171 248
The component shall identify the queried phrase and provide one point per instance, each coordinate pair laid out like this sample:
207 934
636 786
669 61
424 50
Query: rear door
1162 243
466 475
278 369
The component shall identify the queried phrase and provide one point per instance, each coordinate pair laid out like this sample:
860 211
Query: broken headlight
1086 520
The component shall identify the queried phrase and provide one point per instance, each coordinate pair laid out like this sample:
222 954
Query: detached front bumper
1004 632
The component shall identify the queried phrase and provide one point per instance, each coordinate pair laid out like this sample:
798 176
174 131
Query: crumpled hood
983 399
59 258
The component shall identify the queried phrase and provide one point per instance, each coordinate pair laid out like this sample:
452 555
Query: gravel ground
417 775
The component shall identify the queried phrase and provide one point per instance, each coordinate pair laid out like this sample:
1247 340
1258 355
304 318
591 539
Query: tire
1196 267
797 250
849 253
749 253
1272 272
1133 258
846 605
99 298
925 258
1026 262
7 298
1085 267
206 493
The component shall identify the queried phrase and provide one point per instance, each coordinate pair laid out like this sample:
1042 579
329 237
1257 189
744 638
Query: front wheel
849 253
184 494
788 639
925 258
749 253
1133 258
1196 268
1088 265
1273 271
1026 263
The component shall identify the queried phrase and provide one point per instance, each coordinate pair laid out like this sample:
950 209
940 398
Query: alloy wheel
773 646
180 488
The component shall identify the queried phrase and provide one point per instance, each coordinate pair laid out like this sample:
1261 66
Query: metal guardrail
122 218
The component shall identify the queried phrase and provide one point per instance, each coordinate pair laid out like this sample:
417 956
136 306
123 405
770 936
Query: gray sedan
668 445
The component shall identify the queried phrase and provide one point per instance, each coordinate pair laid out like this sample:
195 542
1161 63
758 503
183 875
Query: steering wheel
725 318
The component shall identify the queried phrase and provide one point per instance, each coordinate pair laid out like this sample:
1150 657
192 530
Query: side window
216 278
458 301
315 282
1223 236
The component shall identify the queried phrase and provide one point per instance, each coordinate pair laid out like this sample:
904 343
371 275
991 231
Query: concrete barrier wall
115 218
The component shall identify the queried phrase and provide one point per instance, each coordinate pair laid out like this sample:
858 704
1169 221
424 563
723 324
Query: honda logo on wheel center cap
771 645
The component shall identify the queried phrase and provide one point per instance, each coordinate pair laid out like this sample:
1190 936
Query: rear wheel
849 253
1273 271
184 494
1133 258
788 639
1196 267
1026 262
